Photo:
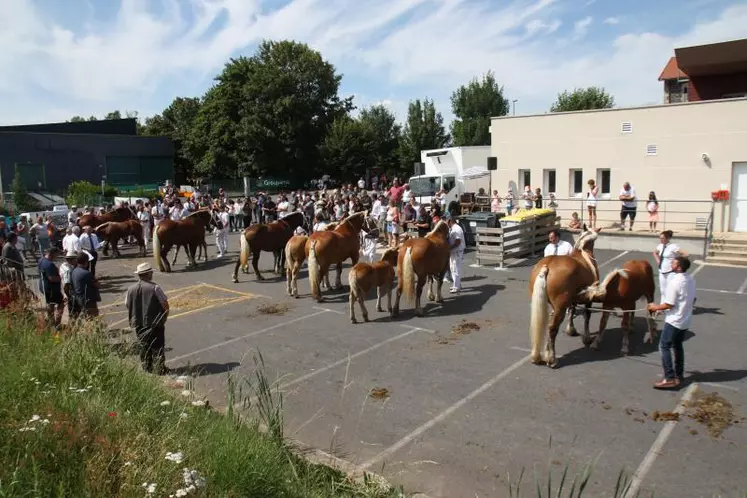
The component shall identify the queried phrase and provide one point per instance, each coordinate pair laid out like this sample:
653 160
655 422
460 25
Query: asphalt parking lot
464 413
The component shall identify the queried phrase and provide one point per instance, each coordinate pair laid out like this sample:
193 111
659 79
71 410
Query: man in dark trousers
148 309
85 289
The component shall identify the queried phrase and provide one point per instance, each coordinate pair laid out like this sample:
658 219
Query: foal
363 276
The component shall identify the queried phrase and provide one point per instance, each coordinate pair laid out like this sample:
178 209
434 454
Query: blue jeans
672 338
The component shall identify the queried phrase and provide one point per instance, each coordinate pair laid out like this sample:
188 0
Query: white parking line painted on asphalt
419 328
720 291
246 336
613 259
350 357
698 269
743 287
327 309
442 416
655 450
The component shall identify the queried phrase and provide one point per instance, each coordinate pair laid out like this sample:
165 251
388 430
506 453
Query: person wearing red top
395 193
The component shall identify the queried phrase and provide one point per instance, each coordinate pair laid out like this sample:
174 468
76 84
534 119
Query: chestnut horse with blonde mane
270 237
120 214
295 255
112 231
188 232
423 260
623 288
332 247
561 282
363 276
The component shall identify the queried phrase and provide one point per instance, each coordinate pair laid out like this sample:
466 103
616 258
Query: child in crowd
575 223
653 211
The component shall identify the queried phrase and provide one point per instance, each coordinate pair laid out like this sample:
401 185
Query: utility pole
513 102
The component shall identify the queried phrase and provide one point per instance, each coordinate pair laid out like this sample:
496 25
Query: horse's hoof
353 321
380 310
572 332
624 353
235 280
553 364
431 297
537 360
365 319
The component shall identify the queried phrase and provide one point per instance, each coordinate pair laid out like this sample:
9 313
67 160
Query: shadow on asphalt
204 369
717 375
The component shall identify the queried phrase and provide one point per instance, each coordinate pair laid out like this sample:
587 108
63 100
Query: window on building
548 181
576 181
604 181
525 178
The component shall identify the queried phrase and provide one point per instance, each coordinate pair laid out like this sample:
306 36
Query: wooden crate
528 239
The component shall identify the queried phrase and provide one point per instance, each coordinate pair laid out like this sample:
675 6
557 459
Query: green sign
271 183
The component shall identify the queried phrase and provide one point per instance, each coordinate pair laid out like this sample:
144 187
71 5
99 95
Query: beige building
682 152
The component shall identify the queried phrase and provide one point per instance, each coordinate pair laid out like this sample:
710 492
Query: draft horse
112 231
188 232
422 260
623 288
119 214
270 237
560 282
295 255
364 276
332 247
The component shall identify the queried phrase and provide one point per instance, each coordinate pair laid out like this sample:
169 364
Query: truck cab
425 187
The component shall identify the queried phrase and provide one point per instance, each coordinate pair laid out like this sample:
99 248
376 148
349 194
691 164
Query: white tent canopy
474 172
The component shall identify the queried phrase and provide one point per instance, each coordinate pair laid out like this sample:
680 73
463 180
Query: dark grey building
51 156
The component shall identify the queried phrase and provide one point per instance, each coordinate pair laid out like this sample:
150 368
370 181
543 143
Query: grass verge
76 420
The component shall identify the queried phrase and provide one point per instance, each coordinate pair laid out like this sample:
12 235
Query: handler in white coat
221 234
143 217
664 254
457 245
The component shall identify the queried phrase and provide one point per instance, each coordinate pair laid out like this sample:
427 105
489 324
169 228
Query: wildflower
198 402
192 478
24 429
150 488
186 393
45 421
165 403
56 339
183 415
34 418
127 463
176 457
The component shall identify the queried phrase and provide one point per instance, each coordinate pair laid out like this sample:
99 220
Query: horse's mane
437 227
349 217
331 226
199 211
591 235
388 252
104 224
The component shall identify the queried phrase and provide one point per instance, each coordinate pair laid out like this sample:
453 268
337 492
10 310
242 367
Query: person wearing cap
66 272
148 309
85 288
50 285
89 243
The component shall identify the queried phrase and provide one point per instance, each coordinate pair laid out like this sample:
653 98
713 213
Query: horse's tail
244 253
314 271
353 282
408 277
157 250
597 292
540 313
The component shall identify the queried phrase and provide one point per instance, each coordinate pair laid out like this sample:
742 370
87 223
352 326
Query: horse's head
369 224
390 256
295 219
440 230
205 217
585 243
355 221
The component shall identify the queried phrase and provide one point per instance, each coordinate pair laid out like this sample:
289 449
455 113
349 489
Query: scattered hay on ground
196 298
379 393
658 416
273 309
464 327
713 411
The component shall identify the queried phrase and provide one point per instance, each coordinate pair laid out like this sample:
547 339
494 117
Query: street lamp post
513 102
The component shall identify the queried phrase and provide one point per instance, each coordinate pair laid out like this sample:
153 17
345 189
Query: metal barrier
526 239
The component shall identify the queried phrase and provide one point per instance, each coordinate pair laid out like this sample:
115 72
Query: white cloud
612 20
581 27
410 49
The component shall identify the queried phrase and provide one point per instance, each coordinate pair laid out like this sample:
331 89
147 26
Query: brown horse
112 231
333 247
423 260
271 237
364 276
188 232
559 281
622 288
295 255
119 214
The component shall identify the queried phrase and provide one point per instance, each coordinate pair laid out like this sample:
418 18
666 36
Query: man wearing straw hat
148 309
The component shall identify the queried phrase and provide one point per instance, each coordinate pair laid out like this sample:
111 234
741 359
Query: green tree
176 122
347 148
384 134
114 115
583 99
269 114
473 105
424 130
21 198
77 119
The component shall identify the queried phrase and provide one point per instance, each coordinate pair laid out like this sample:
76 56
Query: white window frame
546 181
521 179
571 183
604 195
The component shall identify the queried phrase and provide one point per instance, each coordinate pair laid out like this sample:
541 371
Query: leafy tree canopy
583 99
473 105
424 130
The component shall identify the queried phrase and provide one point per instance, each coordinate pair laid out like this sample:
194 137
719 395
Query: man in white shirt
175 213
89 243
557 247
628 210
143 217
71 241
457 245
678 304
72 216
221 234
361 183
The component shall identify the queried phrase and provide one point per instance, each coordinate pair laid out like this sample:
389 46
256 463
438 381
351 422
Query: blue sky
66 57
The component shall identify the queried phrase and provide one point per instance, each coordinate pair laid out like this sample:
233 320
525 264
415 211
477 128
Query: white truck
456 169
